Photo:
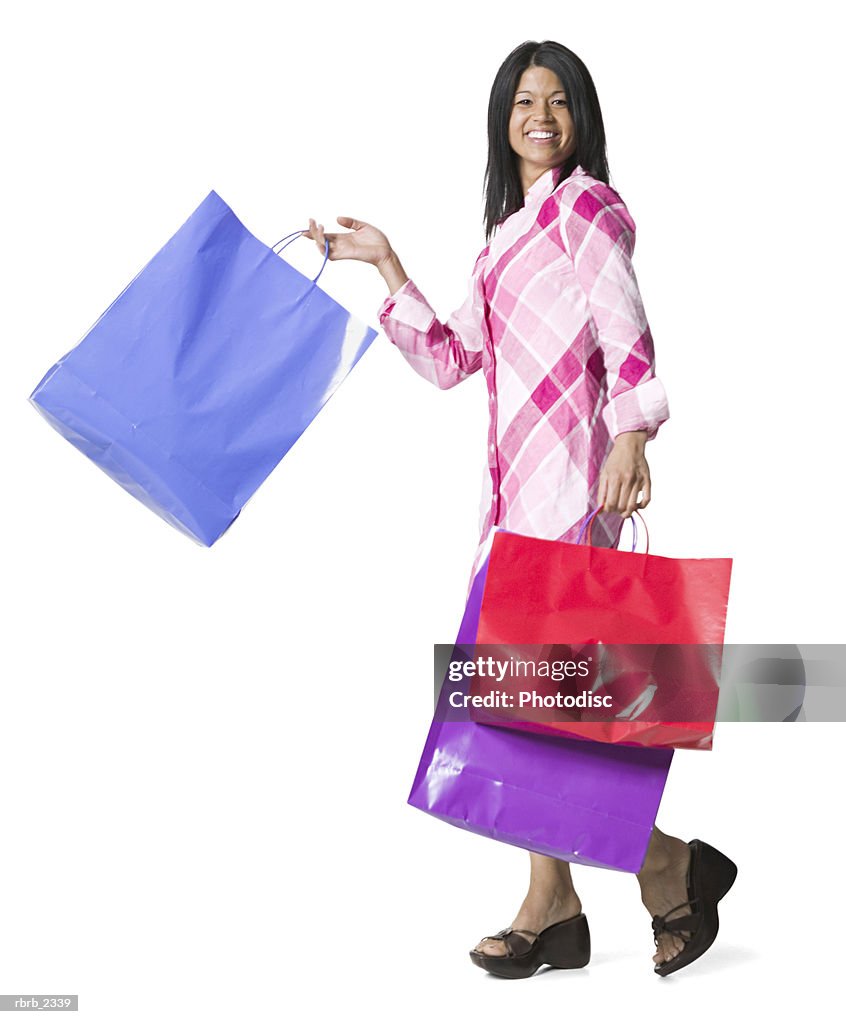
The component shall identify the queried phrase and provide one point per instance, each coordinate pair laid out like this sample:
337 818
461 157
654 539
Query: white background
206 754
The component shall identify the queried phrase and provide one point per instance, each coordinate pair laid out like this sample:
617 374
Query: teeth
541 135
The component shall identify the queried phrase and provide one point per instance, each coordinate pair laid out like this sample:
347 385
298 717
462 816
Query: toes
491 948
669 947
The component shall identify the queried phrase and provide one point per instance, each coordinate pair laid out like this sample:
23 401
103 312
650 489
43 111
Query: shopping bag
655 627
203 373
587 803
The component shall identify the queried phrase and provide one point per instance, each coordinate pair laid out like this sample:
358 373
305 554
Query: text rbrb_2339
203 372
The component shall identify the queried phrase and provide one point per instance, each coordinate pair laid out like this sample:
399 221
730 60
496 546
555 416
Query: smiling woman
554 320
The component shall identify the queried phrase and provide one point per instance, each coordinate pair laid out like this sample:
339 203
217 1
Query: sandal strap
514 942
693 904
687 923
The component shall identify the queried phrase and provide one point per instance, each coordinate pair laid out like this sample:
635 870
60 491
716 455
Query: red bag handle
588 525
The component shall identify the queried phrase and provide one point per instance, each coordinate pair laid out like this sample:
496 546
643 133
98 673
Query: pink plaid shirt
555 321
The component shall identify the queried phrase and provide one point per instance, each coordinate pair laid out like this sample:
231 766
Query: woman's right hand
363 242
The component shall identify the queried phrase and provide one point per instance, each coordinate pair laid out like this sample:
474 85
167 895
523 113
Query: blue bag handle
589 520
299 234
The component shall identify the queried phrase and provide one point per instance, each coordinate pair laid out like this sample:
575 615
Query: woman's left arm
599 235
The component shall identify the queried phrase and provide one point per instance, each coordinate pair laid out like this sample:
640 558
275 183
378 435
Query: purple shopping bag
576 800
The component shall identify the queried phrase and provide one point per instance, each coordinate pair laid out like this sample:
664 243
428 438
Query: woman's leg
551 898
663 885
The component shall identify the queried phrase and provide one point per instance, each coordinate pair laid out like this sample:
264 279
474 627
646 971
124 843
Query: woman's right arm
391 270
443 353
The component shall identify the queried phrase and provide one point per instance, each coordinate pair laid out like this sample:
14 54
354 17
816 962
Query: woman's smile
543 138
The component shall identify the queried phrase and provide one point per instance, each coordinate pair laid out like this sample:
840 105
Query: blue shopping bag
203 372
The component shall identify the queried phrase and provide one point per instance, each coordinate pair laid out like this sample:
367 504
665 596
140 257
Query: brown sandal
564 945
710 876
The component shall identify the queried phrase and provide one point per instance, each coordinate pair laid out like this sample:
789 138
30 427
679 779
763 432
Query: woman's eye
527 100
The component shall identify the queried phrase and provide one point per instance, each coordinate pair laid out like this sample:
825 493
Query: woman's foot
663 886
539 911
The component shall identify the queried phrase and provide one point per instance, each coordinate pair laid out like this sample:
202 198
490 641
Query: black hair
503 188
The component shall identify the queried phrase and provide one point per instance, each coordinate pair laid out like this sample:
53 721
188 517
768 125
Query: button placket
490 377
493 461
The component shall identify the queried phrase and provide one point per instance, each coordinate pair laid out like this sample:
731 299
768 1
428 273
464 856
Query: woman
555 321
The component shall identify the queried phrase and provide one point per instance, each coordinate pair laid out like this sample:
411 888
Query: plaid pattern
555 321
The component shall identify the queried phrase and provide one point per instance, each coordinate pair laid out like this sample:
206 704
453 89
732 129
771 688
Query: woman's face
540 131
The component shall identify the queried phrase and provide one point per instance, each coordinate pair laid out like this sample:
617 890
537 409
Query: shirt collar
545 185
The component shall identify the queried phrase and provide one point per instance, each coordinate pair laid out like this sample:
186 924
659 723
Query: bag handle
299 234
588 525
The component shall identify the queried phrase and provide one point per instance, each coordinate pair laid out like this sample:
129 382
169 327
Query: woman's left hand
624 475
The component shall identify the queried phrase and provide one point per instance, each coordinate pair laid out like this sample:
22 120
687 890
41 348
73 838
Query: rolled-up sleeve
443 353
598 234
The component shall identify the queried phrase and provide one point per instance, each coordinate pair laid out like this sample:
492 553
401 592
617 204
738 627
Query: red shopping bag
650 628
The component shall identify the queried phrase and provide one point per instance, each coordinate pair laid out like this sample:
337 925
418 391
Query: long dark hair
503 188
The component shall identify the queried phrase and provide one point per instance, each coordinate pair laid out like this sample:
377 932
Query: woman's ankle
664 853
549 907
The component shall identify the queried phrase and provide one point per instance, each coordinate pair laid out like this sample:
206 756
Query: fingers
612 493
622 489
319 237
631 499
315 231
628 501
620 492
642 493
602 492
647 491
